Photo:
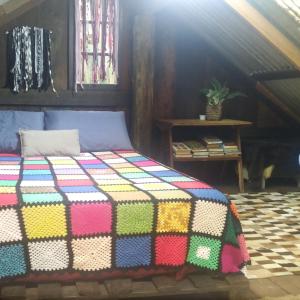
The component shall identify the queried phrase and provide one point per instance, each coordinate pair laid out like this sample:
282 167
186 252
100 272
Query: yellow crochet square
173 216
7 190
129 154
118 188
155 186
45 221
129 196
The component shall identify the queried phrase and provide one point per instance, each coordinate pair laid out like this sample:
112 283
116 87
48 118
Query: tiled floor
271 223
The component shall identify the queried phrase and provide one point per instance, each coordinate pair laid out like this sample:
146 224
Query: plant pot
213 112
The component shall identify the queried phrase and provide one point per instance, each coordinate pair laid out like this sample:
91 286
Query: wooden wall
54 16
183 64
196 64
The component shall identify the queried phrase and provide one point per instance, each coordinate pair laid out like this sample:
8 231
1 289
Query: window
96 42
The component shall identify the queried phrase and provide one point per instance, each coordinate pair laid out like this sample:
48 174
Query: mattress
111 213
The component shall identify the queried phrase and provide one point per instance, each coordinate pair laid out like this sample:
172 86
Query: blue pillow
10 124
98 130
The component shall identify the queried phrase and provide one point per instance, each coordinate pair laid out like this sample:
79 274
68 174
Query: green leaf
236 94
218 93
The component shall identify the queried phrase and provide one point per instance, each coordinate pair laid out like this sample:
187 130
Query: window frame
71 55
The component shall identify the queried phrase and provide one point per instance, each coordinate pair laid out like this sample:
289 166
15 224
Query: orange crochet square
234 210
173 216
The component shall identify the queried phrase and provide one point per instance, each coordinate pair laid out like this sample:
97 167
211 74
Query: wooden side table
166 127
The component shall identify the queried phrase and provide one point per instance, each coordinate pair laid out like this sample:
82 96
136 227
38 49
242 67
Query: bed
111 213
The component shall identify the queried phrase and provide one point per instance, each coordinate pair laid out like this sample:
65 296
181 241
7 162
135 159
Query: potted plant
216 95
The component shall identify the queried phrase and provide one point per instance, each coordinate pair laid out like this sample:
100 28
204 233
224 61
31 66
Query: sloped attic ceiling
260 38
10 9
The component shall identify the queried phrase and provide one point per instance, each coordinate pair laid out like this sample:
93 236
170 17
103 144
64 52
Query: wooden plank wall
178 65
54 16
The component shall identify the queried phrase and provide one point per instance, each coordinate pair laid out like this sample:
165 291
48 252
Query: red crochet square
8 199
170 250
191 185
91 218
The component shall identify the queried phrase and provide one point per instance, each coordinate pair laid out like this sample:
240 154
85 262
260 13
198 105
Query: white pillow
49 142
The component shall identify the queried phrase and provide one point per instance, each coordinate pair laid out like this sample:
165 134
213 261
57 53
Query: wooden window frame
71 55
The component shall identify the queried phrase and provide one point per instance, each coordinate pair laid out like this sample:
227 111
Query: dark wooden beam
165 69
143 82
268 94
276 75
65 98
267 30
71 45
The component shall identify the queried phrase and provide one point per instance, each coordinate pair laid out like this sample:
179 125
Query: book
212 140
198 149
231 148
181 150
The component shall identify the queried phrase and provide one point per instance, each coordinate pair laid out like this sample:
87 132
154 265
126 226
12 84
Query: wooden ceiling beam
261 88
275 75
267 30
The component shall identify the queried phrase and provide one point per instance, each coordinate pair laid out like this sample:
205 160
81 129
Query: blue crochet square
37 177
133 252
208 194
79 189
136 158
9 158
36 172
12 260
95 166
165 173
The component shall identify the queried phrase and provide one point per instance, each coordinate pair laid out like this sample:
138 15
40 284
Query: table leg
240 162
240 175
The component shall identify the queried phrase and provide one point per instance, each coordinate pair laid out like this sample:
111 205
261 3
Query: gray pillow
10 124
98 130
51 142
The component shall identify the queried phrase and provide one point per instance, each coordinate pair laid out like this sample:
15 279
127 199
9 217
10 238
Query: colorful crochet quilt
111 210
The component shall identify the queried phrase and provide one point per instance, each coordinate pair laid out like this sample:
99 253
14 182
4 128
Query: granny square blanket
112 210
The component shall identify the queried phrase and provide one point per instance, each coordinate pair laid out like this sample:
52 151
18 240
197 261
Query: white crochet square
37 183
115 161
155 168
48 255
93 196
9 226
146 180
203 252
91 254
209 217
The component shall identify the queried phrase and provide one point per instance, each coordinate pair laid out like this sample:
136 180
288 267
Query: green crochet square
8 182
135 218
42 198
230 235
204 252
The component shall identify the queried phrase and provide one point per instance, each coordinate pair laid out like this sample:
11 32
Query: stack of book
214 145
230 148
181 150
198 149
